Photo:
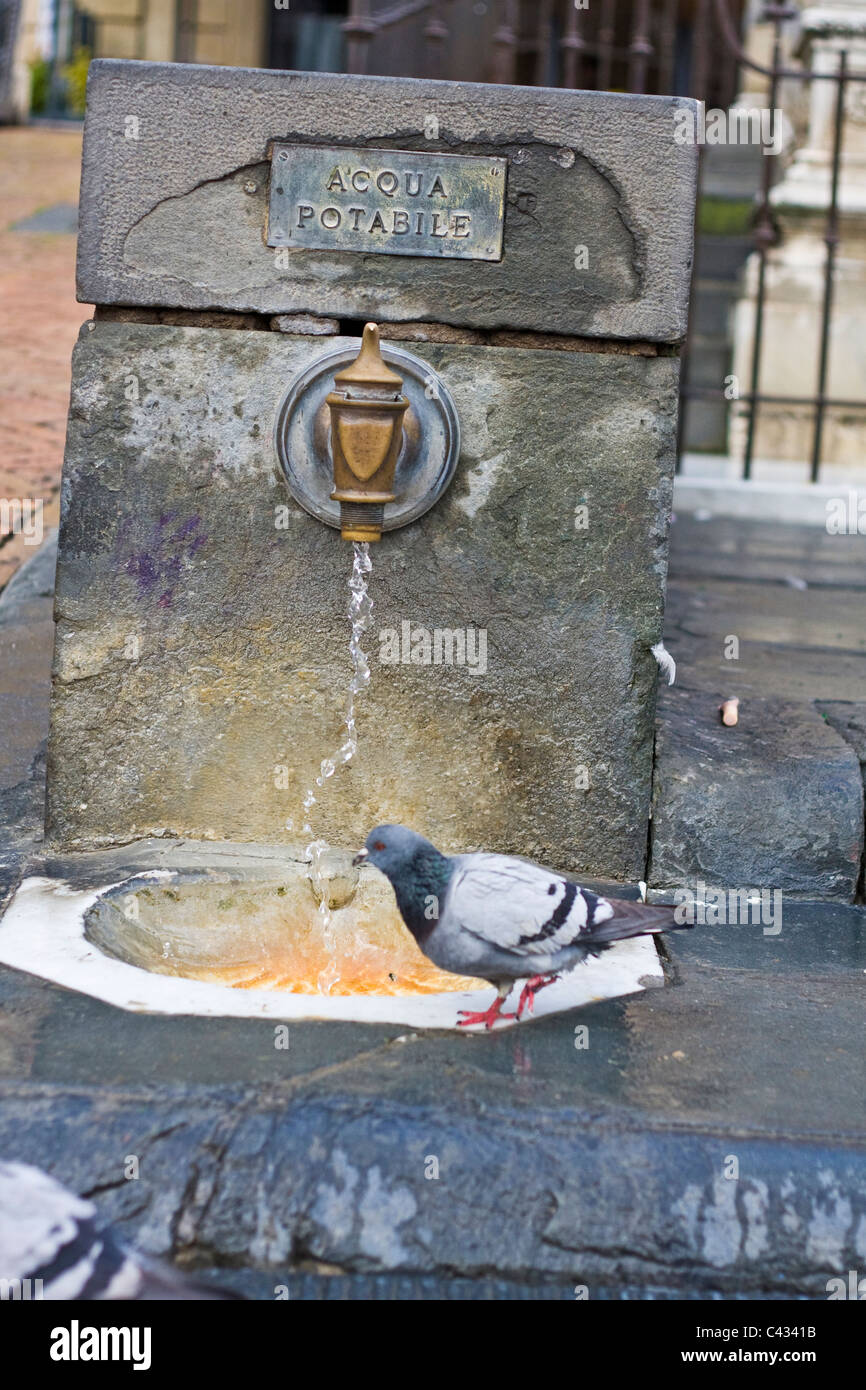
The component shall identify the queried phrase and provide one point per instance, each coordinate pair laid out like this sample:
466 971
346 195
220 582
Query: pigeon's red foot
488 1018
529 991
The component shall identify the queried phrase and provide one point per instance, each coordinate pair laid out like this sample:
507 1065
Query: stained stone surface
777 800
201 663
608 1162
848 718
603 1166
175 193
774 802
26 636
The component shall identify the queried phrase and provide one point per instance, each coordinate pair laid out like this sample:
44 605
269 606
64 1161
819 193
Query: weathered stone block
201 662
848 718
774 802
176 180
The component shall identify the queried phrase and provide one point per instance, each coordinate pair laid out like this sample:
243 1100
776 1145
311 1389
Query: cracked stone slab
200 647
775 802
769 615
176 178
848 718
605 1165
285 1180
762 639
721 1047
762 669
766 551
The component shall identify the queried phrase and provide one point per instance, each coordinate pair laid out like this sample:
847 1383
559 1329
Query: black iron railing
765 238
684 47
364 25
658 46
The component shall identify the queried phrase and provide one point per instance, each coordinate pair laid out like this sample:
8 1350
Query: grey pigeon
52 1239
500 918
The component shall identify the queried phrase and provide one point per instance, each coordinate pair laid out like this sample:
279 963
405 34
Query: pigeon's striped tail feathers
50 1235
636 919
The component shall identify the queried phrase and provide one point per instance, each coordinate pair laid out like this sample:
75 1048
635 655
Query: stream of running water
360 611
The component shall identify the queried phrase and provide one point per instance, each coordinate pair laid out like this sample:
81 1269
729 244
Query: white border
42 933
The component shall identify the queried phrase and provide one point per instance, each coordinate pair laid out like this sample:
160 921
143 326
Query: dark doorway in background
308 37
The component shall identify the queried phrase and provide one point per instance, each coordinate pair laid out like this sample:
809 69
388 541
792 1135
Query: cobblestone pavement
39 322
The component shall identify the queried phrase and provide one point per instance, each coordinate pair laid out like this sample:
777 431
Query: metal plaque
389 202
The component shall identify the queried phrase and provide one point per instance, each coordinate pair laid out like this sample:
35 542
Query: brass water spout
367 407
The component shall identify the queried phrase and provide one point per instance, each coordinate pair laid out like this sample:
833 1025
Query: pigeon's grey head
394 849
419 874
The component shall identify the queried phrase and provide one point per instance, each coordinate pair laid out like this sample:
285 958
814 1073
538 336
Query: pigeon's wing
49 1234
519 907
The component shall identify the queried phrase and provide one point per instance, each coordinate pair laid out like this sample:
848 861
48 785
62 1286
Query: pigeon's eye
380 844
552 888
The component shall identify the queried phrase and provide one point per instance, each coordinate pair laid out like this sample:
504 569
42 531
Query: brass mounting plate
387 202
427 459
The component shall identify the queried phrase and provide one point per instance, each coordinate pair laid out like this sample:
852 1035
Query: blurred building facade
812 339
649 45
193 31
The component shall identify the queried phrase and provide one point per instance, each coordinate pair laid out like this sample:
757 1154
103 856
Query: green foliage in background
75 77
725 216
40 82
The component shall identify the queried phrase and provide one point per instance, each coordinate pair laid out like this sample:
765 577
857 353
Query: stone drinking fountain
332 312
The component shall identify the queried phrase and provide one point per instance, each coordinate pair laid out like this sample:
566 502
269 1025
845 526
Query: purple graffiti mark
158 566
144 568
187 528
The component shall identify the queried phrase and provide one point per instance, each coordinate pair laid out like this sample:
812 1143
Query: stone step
775 802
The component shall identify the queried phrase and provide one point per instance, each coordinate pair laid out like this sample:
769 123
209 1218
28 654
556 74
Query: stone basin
266 934
212 928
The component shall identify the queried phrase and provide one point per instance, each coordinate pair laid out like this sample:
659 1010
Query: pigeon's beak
360 857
